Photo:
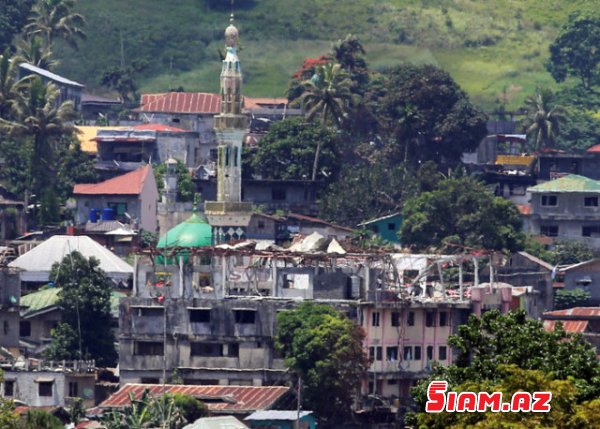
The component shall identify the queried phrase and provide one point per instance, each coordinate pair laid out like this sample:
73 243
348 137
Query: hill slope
494 49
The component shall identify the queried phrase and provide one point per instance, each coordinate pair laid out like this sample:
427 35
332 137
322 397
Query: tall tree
55 19
348 53
36 118
287 151
443 123
13 16
323 348
328 99
33 51
7 83
544 118
575 51
85 302
461 212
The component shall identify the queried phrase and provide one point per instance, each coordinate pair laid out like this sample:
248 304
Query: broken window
73 389
411 318
245 316
233 350
206 349
429 352
375 318
148 348
443 318
392 353
442 353
395 318
417 353
430 318
150 311
25 328
9 387
408 352
375 353
199 315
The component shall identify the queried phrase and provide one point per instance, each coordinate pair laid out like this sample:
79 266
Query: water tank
93 215
108 213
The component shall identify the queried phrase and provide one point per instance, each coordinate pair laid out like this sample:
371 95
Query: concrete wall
184 147
26 387
42 324
577 278
10 293
148 201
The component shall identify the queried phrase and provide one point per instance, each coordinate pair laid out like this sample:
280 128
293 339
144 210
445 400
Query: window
227 152
392 381
549 200
278 195
590 231
417 352
233 350
148 348
375 353
429 352
149 380
45 388
214 154
549 230
430 318
9 387
375 318
245 316
442 353
443 318
206 349
73 389
175 120
392 353
395 318
235 156
411 318
119 208
150 312
590 201
408 352
199 315
391 226
261 224
25 328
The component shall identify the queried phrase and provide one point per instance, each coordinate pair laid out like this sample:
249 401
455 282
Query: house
386 227
567 208
36 264
12 215
281 419
86 134
578 320
95 107
40 314
50 384
131 197
220 400
553 164
584 275
69 90
123 148
112 234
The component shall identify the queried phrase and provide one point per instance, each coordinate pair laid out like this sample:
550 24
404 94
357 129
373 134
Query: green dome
194 232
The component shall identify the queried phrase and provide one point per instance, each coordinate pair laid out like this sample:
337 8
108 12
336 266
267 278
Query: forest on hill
495 50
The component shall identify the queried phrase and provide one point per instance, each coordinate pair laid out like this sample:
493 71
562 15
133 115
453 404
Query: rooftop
181 102
234 399
48 298
128 184
570 183
49 75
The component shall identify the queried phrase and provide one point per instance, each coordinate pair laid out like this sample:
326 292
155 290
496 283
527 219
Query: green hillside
494 49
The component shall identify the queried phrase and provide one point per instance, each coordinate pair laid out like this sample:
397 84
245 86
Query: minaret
229 216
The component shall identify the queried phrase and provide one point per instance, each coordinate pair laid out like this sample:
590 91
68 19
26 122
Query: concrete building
386 227
68 90
584 275
50 384
578 320
567 208
129 198
10 293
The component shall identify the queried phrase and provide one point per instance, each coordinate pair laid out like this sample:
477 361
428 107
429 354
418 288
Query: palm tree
543 118
327 96
38 119
7 83
52 19
33 51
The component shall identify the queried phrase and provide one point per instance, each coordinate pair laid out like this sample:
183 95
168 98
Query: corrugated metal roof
236 399
277 415
49 75
570 183
261 102
181 102
47 298
87 135
159 128
570 326
522 160
221 422
583 312
127 184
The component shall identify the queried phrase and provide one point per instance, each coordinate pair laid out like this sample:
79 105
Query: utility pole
298 405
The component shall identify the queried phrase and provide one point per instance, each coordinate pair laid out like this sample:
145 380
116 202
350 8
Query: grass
494 49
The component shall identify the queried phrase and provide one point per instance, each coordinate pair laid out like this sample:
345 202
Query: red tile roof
159 128
235 399
595 148
127 184
181 102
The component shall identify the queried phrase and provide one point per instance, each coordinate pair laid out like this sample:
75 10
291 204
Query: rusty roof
159 128
570 326
126 184
574 313
181 102
262 102
219 399
311 219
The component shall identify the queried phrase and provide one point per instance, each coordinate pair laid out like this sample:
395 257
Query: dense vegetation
495 50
